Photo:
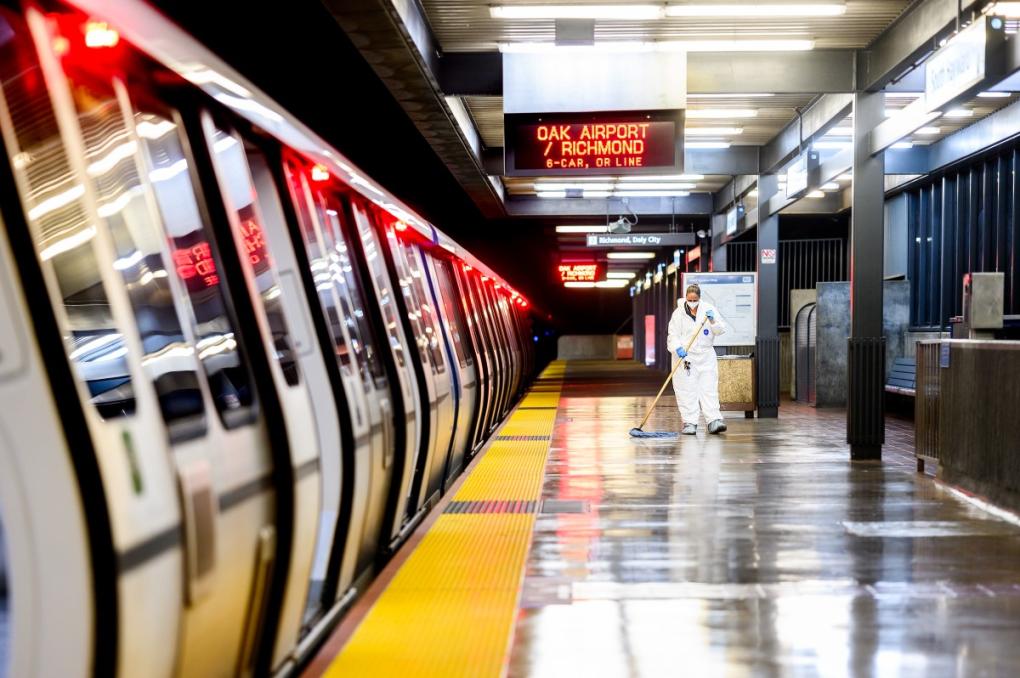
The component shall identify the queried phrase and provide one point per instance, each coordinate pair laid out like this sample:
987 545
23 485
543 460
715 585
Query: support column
766 345
865 416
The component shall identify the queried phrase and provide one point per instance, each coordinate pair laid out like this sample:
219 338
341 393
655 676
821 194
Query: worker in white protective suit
696 383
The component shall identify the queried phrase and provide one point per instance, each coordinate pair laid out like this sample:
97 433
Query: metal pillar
766 348
865 421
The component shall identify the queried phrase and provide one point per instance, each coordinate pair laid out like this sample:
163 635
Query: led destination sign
592 144
579 271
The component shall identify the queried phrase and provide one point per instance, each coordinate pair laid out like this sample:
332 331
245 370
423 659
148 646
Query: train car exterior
235 372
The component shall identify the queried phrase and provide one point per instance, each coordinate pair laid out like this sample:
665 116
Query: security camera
621 225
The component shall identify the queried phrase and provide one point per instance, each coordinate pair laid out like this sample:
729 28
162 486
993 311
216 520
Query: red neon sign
585 144
254 241
195 265
579 271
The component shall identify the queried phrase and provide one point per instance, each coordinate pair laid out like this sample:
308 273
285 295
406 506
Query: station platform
571 549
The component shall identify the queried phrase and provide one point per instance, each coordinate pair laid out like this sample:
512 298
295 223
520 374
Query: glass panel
61 228
232 166
197 265
454 310
427 314
112 164
377 267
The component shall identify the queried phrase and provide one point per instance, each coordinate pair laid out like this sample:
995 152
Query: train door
370 416
462 365
274 286
483 349
433 375
416 440
495 340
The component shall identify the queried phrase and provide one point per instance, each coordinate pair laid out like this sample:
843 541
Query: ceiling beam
395 39
529 206
814 121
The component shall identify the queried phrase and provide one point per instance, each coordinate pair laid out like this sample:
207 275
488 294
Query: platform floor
762 552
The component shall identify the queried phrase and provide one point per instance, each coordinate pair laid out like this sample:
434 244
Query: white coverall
698 386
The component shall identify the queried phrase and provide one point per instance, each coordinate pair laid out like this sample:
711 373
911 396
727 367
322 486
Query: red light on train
400 226
61 45
320 173
467 268
99 35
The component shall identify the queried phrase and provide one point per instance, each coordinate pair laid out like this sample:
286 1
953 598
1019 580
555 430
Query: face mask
692 304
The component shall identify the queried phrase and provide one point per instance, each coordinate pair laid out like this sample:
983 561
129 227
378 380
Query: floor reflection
760 553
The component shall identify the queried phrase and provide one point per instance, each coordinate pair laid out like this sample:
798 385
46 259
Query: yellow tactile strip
450 608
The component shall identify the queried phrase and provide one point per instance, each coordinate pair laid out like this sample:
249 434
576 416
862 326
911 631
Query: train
235 372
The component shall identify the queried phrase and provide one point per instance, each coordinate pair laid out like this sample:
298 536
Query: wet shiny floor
762 552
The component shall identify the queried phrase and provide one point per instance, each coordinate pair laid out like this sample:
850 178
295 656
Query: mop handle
672 372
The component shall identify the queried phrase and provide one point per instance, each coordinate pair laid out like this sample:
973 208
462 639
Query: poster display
735 296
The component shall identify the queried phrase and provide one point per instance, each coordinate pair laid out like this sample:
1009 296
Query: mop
637 432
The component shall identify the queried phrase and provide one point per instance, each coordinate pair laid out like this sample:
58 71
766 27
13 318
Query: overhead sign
580 271
587 143
640 240
731 221
734 295
797 177
957 66
568 81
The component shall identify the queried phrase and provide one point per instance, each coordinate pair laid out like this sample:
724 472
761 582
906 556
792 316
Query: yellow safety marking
450 608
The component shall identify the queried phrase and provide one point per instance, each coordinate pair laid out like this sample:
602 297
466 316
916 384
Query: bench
903 378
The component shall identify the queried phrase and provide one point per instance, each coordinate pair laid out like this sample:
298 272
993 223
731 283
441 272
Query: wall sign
797 177
731 221
580 271
768 255
640 240
958 66
593 143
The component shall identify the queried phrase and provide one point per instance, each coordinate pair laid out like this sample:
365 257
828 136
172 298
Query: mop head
638 433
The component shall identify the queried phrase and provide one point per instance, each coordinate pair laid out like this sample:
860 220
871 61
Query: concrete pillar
767 341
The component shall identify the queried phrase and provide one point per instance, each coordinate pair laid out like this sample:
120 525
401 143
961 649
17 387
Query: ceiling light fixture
995 95
815 194
622 275
928 131
664 46
619 12
707 144
729 95
661 177
716 113
631 255
712 131
650 194
612 283
578 284
581 229
756 10
960 113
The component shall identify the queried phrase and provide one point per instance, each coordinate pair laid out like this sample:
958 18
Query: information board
735 297
579 271
593 143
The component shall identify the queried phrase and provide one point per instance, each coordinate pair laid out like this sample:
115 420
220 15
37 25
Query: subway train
235 372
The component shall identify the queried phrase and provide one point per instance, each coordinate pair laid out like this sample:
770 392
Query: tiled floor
763 552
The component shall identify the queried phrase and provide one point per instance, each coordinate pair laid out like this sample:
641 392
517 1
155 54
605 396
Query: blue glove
681 353
710 314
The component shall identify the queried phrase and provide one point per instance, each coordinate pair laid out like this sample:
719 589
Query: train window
382 282
230 155
196 264
454 310
62 231
430 315
114 170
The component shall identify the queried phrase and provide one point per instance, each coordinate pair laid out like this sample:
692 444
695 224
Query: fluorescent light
831 186
581 229
662 177
551 194
596 194
832 144
995 95
713 113
655 186
635 12
631 255
712 132
815 194
1010 10
845 177
928 131
612 283
622 275
571 186
579 284
959 113
650 194
707 144
729 95
840 132
753 193
902 144
664 46
746 10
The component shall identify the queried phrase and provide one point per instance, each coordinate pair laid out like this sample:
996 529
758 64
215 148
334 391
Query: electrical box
983 295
